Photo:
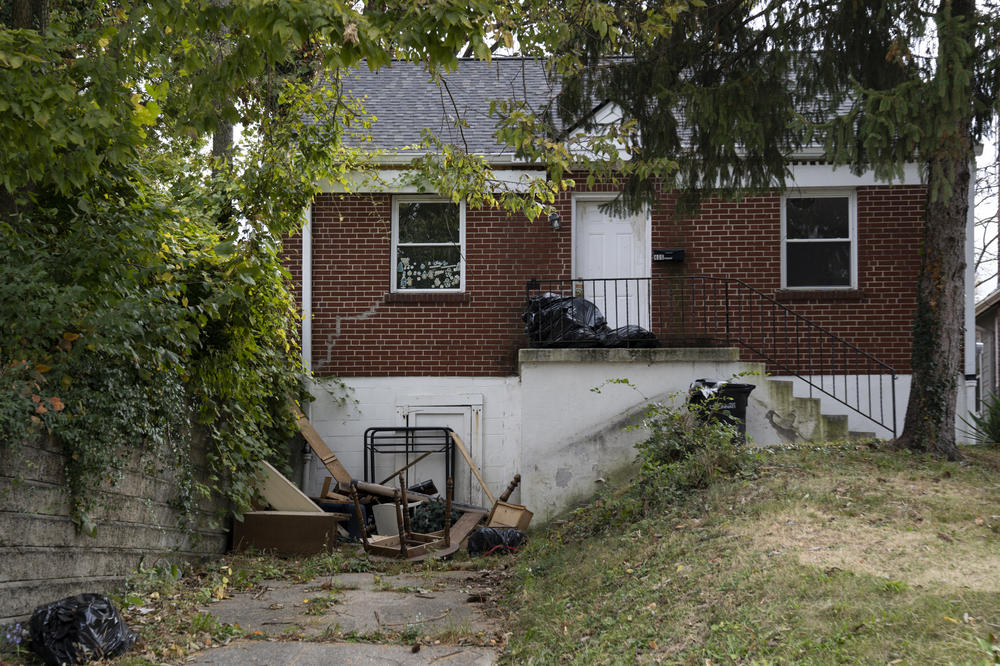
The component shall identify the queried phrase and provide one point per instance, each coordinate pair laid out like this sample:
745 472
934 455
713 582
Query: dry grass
833 555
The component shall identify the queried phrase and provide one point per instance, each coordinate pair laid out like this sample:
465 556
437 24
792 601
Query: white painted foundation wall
561 423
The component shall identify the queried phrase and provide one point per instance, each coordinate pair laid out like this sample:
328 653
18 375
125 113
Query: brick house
416 302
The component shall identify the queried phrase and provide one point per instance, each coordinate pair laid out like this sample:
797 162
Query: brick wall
743 239
359 329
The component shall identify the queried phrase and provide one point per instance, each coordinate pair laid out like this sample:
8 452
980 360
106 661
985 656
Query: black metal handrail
704 310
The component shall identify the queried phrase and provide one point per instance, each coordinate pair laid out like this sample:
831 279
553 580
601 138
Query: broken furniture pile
299 524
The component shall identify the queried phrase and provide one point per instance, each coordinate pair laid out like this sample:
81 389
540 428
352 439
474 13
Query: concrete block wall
42 556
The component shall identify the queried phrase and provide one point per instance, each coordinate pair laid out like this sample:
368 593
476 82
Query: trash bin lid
736 388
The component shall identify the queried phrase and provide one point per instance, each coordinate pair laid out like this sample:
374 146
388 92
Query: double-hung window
428 244
819 240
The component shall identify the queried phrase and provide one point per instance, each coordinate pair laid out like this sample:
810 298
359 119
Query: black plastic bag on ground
630 336
490 540
79 629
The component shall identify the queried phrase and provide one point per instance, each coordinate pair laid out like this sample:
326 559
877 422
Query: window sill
427 298
836 295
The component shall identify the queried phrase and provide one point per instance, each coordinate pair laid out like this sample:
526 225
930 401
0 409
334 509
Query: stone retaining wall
42 556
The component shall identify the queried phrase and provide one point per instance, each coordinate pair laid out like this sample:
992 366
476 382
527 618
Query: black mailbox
668 254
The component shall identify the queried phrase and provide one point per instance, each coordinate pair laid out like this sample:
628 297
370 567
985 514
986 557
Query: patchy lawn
839 554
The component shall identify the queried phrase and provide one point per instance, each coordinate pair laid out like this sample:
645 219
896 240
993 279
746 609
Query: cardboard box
287 532
511 515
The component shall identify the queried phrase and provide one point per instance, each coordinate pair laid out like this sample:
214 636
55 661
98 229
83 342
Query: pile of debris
296 523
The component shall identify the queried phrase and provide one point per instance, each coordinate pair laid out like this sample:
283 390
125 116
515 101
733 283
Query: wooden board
475 470
319 447
459 531
287 532
282 494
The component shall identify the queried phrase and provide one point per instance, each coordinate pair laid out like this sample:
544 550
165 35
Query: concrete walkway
362 618
264 653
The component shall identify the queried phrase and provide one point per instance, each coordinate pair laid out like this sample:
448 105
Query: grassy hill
834 554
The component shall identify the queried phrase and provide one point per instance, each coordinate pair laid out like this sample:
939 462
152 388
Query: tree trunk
30 14
938 325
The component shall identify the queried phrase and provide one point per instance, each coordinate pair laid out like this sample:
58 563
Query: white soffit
824 175
394 181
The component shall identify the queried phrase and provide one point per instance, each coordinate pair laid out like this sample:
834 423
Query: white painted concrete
382 402
573 437
563 423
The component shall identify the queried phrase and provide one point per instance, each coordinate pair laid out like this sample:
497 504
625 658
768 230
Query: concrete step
790 418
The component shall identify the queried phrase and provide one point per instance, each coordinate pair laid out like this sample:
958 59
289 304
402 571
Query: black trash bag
490 540
426 487
630 336
79 629
552 320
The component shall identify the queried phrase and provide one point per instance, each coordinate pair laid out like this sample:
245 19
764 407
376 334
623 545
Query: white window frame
394 257
852 214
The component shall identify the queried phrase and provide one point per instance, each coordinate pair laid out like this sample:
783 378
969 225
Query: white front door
616 250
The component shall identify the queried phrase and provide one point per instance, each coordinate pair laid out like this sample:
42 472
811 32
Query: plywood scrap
319 447
282 494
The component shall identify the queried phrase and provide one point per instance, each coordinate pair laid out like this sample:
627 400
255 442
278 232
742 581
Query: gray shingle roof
405 101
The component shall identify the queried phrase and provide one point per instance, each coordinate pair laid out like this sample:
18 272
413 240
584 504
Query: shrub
984 428
685 451
682 453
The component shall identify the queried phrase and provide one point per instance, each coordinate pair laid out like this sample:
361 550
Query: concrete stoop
784 418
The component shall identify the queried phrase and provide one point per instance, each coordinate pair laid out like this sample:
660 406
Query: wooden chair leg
361 518
449 491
